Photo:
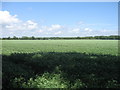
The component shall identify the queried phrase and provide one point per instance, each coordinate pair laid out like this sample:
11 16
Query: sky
59 19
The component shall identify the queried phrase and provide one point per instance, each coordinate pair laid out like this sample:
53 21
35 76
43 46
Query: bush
112 84
79 69
45 81
79 84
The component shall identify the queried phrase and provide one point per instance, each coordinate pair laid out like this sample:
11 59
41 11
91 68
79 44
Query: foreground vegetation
61 64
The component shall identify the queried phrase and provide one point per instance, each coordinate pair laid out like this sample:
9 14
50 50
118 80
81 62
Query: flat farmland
60 64
83 46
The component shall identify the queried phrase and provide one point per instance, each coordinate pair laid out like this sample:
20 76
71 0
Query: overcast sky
61 19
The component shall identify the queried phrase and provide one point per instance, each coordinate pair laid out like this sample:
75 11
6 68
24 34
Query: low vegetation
60 64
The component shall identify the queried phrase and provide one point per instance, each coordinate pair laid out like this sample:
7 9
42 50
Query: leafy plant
45 81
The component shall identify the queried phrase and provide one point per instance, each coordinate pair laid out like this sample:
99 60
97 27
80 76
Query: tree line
111 37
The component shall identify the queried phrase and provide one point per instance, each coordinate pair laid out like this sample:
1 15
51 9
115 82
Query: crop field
83 46
60 64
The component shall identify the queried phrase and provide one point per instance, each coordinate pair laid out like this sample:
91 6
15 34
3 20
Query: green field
83 46
60 64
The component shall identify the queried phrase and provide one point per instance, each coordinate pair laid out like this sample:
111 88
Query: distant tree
9 38
33 38
24 38
112 37
14 37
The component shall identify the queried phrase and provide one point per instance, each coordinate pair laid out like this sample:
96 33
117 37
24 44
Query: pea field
60 64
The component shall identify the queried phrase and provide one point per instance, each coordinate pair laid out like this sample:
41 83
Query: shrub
79 84
45 81
112 84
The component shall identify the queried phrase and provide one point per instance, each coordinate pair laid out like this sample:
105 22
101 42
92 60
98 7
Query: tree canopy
111 37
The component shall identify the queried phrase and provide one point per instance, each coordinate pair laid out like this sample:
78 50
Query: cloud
22 26
88 29
12 23
80 23
75 30
13 26
10 27
59 32
40 31
30 25
6 18
107 32
54 27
